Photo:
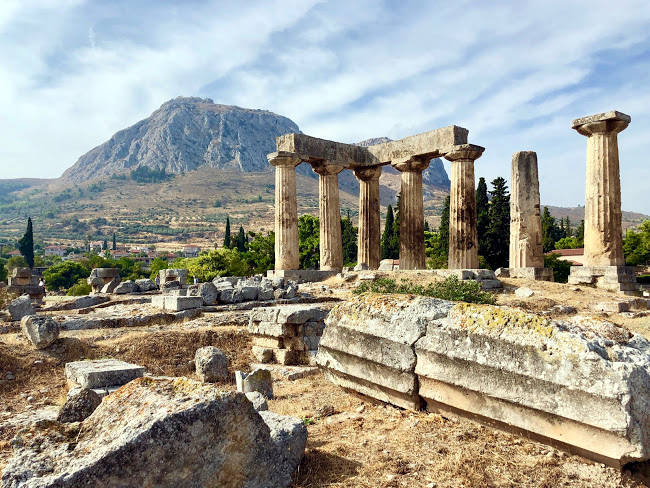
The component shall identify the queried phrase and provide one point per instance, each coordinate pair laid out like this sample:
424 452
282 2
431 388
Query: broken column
331 245
411 243
463 239
286 210
526 252
369 239
604 260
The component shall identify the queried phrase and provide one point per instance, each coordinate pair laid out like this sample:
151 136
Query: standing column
411 211
286 210
603 231
369 239
331 246
525 219
463 240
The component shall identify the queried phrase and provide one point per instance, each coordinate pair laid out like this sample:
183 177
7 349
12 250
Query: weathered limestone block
160 432
41 330
211 364
167 275
258 380
585 385
111 285
175 303
20 307
146 284
610 278
101 277
367 345
79 406
126 287
209 293
101 373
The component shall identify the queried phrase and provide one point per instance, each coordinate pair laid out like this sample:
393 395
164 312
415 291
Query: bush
65 275
560 267
81 288
451 288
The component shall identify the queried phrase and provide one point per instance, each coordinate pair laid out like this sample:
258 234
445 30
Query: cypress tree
114 242
104 245
394 241
226 238
498 233
549 231
482 216
240 241
349 235
443 230
387 236
580 231
26 244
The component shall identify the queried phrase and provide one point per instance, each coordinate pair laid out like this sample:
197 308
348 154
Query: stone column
286 210
463 240
411 210
525 219
603 231
331 246
369 238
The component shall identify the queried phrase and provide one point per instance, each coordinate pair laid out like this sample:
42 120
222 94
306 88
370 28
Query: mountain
185 134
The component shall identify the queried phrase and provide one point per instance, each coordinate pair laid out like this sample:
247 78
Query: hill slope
185 134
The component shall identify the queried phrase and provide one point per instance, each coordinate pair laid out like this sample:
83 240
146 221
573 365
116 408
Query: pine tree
567 227
387 236
226 239
549 231
498 233
114 242
580 232
443 230
240 241
482 216
26 244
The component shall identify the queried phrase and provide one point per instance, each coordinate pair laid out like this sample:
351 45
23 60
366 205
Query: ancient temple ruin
410 156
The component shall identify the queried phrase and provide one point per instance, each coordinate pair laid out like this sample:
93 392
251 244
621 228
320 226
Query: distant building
575 256
54 251
191 251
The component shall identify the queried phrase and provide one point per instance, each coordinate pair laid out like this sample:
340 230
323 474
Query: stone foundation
610 278
302 275
531 273
286 334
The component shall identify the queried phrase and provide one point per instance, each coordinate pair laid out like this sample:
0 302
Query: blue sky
73 72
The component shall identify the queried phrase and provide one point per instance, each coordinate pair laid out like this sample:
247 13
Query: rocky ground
353 441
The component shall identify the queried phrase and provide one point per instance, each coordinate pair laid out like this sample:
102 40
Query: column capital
411 164
324 169
369 173
283 158
464 152
612 121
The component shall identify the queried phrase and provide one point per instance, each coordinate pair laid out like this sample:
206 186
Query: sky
515 73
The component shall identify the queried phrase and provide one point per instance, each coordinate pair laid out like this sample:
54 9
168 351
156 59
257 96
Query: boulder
165 433
146 284
20 307
258 400
79 406
41 330
209 293
258 380
126 287
211 364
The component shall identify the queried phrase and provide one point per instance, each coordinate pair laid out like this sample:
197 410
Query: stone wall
582 384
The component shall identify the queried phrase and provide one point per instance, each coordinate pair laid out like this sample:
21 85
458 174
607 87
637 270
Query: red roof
568 252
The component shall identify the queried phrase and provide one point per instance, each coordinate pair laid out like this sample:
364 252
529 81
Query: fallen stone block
160 432
79 406
248 292
583 384
211 364
41 330
257 380
524 292
20 307
169 275
176 304
171 285
126 287
611 307
111 285
368 345
209 293
146 284
258 401
102 373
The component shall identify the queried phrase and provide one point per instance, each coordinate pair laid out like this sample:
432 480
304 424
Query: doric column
525 220
411 211
603 232
369 250
331 247
286 210
463 241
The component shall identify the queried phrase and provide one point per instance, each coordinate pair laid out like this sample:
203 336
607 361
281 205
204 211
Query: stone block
257 380
20 307
248 293
176 304
258 401
209 293
111 285
273 329
167 275
211 364
267 341
490 284
583 385
262 354
126 287
158 301
299 314
102 373
79 406
289 357
230 295
611 307
146 284
531 273
42 331
524 292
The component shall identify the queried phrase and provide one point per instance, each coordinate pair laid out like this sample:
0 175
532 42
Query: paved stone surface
102 373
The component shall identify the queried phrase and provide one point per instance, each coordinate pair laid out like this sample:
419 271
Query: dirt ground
353 441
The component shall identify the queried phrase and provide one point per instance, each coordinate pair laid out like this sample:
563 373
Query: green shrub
80 289
560 267
65 275
451 288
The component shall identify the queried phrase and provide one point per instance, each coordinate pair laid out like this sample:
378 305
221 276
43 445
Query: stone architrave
331 245
411 245
286 210
525 220
369 240
603 231
463 239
